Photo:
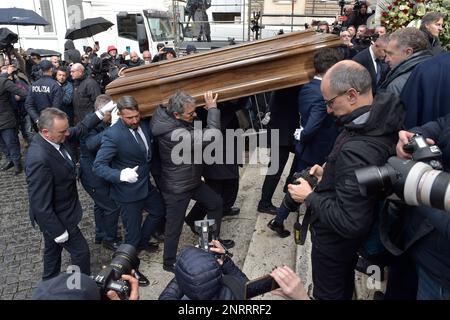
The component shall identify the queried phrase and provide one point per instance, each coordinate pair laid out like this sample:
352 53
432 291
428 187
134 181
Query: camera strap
301 229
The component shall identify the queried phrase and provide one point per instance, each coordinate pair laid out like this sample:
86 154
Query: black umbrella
88 27
43 52
21 17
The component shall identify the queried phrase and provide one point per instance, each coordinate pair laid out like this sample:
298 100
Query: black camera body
123 261
419 181
290 203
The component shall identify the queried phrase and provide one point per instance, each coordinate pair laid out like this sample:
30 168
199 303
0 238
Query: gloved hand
129 175
62 238
106 108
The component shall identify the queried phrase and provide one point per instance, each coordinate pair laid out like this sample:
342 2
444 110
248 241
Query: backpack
234 285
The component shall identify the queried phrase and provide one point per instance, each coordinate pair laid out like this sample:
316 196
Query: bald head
346 86
134 56
77 71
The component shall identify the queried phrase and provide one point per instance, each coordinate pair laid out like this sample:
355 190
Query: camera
123 261
419 181
290 203
205 229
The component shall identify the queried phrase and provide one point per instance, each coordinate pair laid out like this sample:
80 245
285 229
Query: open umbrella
88 27
21 17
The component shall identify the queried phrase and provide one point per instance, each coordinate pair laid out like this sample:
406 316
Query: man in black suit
52 189
372 58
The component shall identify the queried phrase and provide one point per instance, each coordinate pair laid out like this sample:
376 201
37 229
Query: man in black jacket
178 141
85 91
9 142
341 218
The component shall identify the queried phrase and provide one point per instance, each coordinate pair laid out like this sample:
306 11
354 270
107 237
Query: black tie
65 154
139 140
378 70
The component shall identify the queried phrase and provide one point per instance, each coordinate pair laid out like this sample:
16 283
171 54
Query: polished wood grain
233 71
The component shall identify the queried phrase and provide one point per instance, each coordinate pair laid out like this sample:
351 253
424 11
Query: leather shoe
143 281
7 166
149 247
278 228
227 243
234 211
111 245
271 209
169 267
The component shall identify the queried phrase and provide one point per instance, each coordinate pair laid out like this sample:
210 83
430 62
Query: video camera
419 181
123 261
290 203
205 229
7 39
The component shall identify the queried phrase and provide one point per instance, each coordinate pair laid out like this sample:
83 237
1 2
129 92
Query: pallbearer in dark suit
52 189
372 59
124 160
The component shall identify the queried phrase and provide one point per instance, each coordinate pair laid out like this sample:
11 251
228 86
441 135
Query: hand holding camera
134 289
404 139
291 286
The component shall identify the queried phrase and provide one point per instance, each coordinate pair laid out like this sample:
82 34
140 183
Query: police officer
44 93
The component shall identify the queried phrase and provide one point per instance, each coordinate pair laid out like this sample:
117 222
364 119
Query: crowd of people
365 101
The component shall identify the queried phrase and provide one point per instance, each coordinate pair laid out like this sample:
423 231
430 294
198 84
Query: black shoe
7 166
234 211
111 245
169 267
143 281
278 228
271 209
158 236
18 169
227 243
149 247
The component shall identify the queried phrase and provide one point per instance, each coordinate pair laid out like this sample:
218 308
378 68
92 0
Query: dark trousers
10 145
271 181
333 270
226 189
176 210
136 233
106 213
76 246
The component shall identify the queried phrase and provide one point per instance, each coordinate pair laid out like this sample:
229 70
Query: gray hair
48 116
102 100
410 38
429 18
383 39
345 76
127 102
178 101
78 66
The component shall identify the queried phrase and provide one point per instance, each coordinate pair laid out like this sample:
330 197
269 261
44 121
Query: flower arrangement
398 14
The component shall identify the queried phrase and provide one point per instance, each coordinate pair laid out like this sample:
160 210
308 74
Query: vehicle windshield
160 28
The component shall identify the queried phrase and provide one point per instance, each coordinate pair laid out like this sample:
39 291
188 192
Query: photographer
427 230
64 287
199 275
341 218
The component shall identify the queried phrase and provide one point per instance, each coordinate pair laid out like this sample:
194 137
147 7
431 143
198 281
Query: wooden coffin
233 71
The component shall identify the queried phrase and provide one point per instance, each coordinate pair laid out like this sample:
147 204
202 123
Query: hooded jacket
397 77
339 212
85 91
71 55
184 176
198 276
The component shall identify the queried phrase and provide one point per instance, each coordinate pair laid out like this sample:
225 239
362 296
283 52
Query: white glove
129 175
106 108
62 238
114 116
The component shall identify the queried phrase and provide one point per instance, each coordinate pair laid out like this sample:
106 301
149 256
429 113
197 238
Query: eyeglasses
329 103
